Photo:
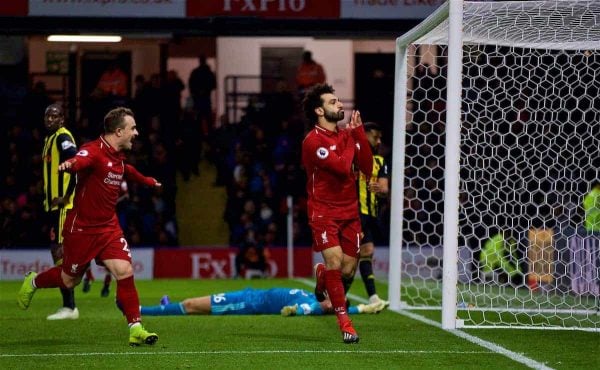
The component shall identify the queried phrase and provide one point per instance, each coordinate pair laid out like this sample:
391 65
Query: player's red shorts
80 249
331 233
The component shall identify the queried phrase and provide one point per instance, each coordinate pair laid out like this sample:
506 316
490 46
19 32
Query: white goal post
496 144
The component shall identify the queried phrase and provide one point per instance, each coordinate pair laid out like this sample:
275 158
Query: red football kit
327 157
91 229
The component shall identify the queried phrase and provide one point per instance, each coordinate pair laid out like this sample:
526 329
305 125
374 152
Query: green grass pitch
388 340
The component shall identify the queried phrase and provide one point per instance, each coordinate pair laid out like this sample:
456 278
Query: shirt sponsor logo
322 153
113 178
83 153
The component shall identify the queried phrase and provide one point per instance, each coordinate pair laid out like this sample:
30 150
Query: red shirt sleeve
131 174
82 160
363 152
328 160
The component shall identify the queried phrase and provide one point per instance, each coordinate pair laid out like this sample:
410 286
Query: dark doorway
374 89
282 63
93 64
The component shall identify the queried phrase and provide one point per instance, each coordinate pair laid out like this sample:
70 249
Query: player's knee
188 306
367 250
348 274
70 281
120 269
333 264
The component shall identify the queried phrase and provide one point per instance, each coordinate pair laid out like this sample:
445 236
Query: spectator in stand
141 101
111 91
35 103
113 82
93 230
59 187
309 73
201 83
173 87
251 260
284 301
328 153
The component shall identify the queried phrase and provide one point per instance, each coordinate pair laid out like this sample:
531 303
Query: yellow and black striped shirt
367 201
58 147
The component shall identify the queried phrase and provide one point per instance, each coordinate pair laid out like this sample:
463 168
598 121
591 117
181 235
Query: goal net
515 251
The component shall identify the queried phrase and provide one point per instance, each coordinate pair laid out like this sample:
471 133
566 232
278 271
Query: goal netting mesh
529 156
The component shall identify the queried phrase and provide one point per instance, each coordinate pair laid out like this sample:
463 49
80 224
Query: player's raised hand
374 187
355 120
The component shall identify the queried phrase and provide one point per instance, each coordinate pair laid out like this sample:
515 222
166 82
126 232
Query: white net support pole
398 156
290 236
397 198
452 170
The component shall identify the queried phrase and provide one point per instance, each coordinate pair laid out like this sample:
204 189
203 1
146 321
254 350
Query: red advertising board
215 263
14 8
265 8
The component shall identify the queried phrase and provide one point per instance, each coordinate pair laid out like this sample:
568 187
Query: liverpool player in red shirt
91 229
328 155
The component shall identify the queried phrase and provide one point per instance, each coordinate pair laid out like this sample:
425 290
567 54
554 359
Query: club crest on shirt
322 153
109 164
324 237
83 153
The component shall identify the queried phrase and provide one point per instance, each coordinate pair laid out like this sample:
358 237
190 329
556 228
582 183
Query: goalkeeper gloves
289 310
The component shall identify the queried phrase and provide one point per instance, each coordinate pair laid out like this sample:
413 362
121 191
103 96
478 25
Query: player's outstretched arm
134 175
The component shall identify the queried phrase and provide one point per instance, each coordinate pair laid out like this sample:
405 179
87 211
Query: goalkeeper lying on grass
285 301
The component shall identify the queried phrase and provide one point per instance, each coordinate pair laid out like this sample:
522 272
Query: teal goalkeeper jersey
265 301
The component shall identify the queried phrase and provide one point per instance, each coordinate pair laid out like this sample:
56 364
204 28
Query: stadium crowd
147 216
257 160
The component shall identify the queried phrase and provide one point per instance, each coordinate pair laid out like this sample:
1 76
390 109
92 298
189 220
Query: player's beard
334 117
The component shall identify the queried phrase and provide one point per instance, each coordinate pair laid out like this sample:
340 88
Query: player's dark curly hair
370 126
312 100
116 118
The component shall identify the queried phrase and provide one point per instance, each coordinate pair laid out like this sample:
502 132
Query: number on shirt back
218 298
126 247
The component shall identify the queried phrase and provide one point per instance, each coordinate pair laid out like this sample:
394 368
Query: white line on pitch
461 334
265 352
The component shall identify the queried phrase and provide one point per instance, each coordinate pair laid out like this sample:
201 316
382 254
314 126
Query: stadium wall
151 263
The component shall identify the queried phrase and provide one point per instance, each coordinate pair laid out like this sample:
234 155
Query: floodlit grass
388 340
